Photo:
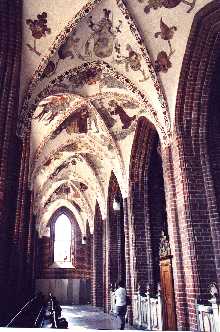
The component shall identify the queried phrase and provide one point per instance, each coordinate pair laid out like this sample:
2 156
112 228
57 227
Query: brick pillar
97 271
105 270
10 59
196 121
21 239
127 257
191 238
210 160
43 255
175 239
31 248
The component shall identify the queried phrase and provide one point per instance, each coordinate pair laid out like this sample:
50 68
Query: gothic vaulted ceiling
89 71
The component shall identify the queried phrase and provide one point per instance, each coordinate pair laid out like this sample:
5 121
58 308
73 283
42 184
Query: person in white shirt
120 302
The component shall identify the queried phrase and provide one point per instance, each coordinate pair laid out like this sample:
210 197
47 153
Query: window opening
62 243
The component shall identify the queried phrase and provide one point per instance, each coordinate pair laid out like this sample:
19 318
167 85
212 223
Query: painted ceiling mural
98 68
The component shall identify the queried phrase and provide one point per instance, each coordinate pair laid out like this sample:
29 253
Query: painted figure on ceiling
155 4
69 48
103 36
52 108
126 120
64 165
76 122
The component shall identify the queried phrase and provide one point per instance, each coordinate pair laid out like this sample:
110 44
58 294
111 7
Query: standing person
120 301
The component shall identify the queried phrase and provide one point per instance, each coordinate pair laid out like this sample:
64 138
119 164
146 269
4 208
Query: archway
115 265
149 219
68 280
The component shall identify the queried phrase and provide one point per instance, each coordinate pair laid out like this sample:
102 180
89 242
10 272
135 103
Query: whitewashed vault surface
111 62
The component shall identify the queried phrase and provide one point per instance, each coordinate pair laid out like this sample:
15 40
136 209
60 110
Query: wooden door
167 290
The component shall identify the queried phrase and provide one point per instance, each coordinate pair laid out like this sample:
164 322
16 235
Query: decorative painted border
52 49
106 69
26 110
89 99
66 114
145 52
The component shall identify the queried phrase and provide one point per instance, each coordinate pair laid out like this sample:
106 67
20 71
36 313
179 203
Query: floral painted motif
166 33
38 29
163 62
63 189
155 4
132 61
48 162
58 83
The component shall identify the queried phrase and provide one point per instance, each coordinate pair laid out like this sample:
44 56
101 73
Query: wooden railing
208 316
113 306
147 310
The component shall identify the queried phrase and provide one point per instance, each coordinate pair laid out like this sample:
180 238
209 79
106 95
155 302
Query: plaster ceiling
87 76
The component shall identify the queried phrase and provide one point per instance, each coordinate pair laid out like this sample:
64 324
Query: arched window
62 240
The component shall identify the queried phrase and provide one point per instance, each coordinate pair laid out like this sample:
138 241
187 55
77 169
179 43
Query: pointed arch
147 202
115 231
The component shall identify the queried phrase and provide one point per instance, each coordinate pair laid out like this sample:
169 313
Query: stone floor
86 317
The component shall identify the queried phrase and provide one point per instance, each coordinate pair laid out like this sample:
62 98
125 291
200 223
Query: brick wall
213 137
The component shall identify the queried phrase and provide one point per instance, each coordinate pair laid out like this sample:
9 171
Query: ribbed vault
82 107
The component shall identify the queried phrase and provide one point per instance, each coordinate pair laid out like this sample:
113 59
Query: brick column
19 254
189 228
31 248
195 155
97 271
127 257
10 59
175 239
105 270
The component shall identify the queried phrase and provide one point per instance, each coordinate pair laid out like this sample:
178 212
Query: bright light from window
62 243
